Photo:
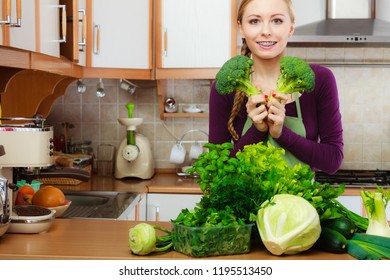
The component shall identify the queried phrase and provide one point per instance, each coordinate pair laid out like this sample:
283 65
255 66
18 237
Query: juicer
134 157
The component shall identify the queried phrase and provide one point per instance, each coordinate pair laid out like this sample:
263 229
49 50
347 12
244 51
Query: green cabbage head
288 224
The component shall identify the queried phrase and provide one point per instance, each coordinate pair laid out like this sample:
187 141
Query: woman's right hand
257 111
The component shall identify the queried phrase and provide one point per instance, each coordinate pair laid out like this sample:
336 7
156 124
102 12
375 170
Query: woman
307 125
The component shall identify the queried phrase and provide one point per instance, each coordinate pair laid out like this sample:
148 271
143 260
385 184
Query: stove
356 178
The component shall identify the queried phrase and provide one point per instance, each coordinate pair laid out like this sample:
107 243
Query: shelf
185 115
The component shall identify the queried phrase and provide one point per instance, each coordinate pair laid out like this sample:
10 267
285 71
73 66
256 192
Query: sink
86 199
98 204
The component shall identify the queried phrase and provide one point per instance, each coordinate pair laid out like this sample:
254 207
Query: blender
134 157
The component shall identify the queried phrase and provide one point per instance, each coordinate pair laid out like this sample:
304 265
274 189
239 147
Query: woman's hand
257 111
276 114
267 114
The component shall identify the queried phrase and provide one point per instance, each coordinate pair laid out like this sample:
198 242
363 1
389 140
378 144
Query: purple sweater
322 149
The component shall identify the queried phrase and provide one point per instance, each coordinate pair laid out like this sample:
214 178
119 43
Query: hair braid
238 98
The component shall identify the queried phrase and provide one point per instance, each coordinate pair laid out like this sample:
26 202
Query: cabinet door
164 207
121 34
49 27
70 48
195 33
24 36
82 32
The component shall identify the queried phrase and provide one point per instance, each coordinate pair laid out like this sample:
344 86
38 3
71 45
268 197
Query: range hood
347 23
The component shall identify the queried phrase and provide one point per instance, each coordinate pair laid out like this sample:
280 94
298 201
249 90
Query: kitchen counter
107 239
159 183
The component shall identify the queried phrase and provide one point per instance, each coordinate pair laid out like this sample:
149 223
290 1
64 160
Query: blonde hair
240 96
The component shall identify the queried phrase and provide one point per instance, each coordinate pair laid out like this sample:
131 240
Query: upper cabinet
195 36
136 39
121 36
35 26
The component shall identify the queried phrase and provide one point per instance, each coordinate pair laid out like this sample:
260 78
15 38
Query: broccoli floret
296 75
235 75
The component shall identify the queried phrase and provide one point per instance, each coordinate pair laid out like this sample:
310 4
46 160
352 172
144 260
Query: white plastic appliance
134 157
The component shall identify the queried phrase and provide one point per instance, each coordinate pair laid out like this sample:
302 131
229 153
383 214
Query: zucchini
331 241
343 225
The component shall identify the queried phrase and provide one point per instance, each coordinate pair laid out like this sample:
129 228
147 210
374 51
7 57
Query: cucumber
342 224
331 241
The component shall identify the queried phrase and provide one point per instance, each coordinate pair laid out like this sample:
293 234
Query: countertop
159 183
83 239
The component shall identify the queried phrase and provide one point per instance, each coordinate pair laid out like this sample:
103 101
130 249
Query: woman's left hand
276 114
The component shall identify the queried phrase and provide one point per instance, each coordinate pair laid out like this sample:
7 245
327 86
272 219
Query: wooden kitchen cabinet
40 29
194 38
120 36
164 207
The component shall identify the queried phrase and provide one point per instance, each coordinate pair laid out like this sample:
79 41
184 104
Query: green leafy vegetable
212 240
288 224
364 246
375 203
255 175
143 239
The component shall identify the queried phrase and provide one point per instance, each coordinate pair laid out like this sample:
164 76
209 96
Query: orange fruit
24 195
48 196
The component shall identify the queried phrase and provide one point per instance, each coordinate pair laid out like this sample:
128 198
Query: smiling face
266 26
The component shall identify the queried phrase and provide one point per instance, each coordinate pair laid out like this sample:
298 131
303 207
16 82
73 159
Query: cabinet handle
18 22
96 45
63 23
157 214
8 13
165 51
83 29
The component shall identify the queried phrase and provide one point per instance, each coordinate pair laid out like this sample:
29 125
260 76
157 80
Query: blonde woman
307 125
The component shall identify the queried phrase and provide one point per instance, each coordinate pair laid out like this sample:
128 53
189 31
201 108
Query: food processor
134 157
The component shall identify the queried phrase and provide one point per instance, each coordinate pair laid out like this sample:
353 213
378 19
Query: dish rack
180 169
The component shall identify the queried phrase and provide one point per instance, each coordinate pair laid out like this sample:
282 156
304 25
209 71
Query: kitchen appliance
28 144
27 153
346 22
134 157
356 178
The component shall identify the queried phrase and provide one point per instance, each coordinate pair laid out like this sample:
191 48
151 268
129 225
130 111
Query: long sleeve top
322 149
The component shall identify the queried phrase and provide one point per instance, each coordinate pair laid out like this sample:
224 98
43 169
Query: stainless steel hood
346 24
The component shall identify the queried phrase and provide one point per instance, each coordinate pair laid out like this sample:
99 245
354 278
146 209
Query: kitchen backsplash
363 90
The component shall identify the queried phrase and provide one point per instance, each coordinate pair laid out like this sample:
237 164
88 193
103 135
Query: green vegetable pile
296 75
241 184
369 242
236 188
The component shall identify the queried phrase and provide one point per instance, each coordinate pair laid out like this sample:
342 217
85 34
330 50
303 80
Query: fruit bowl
60 209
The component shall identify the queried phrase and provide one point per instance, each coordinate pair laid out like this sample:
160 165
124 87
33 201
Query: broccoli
235 75
296 75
